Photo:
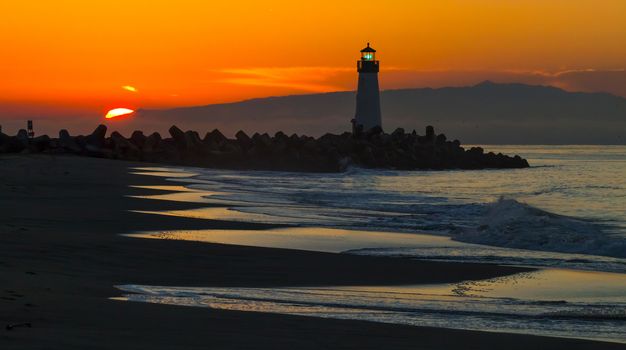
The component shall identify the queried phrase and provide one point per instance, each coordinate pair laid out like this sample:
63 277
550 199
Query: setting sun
117 112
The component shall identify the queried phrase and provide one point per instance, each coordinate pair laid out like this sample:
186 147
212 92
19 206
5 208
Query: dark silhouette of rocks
4 142
214 140
138 138
244 140
328 153
96 139
176 133
67 142
123 148
10 144
39 143
94 144
22 136
151 145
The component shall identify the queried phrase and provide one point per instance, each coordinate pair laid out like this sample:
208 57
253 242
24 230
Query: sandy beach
62 253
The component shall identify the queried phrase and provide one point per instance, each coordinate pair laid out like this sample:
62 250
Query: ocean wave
511 224
502 256
461 204
608 314
566 188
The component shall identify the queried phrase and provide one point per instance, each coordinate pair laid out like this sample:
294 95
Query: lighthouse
367 97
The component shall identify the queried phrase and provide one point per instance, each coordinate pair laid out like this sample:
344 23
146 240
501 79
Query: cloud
326 79
579 80
590 80
309 79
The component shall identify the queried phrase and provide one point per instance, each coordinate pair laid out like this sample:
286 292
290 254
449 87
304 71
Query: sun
117 112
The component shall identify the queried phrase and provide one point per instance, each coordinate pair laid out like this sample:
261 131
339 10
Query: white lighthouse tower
367 96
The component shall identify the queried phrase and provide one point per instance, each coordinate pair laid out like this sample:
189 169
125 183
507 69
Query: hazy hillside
485 113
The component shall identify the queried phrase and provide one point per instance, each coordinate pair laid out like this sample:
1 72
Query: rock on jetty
328 153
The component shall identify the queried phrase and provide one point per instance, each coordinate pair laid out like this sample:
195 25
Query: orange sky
75 56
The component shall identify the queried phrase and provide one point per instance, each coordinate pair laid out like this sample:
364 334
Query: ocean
566 214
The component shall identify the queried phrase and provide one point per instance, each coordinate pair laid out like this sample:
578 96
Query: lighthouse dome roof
368 49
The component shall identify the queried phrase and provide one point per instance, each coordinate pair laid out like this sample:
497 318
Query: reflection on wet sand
554 285
162 172
182 194
553 302
214 213
306 238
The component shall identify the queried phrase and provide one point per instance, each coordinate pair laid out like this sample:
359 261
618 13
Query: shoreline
61 255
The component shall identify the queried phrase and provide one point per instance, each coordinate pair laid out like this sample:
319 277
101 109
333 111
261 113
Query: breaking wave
509 223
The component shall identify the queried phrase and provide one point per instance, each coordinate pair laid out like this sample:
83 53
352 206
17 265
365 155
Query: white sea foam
509 223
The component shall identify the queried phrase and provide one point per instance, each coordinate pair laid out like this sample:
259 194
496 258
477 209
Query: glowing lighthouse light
117 112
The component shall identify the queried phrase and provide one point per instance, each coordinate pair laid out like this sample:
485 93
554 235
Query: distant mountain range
486 113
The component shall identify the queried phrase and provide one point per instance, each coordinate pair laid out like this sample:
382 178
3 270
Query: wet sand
61 255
